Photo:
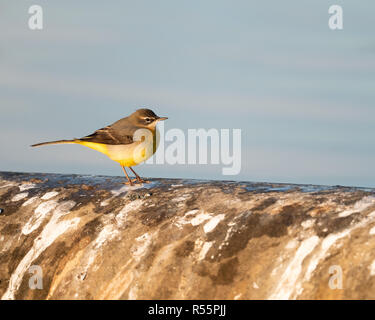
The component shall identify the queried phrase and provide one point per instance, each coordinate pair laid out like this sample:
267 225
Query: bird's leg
130 182
138 177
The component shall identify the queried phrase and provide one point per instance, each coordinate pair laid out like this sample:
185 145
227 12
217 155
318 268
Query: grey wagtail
129 141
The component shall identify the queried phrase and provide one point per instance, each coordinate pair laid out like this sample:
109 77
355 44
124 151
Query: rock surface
94 238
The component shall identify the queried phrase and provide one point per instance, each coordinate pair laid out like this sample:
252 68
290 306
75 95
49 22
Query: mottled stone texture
95 238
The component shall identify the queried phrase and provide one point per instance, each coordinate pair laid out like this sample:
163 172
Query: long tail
55 142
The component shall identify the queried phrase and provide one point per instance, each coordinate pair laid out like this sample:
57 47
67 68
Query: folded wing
108 136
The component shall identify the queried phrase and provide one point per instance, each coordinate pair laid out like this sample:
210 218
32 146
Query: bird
128 141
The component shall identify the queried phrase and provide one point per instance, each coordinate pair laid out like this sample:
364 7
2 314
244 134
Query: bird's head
146 118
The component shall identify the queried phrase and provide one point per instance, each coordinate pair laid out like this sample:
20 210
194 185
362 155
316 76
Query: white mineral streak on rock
191 217
307 223
206 246
8 185
121 217
198 244
30 201
133 293
26 186
165 254
104 203
145 240
126 188
238 296
279 265
372 231
292 272
20 196
292 244
120 283
108 233
40 213
181 198
359 206
234 227
213 222
255 286
125 277
161 259
198 219
372 268
123 189
329 241
53 229
323 250
320 255
117 192
49 195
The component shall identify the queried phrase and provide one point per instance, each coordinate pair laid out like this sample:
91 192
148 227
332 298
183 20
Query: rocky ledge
92 237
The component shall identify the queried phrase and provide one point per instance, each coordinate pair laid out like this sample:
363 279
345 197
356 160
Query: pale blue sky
302 94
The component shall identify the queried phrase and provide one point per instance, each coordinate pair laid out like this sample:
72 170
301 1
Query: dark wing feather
108 136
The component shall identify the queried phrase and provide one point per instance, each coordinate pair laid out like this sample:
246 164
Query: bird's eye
148 120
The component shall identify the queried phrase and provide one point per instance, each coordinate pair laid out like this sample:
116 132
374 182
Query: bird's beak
162 118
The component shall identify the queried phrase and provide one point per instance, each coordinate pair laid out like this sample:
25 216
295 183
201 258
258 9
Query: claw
131 183
143 181
137 179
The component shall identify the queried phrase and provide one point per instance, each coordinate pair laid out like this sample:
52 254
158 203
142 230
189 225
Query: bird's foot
140 180
136 181
131 182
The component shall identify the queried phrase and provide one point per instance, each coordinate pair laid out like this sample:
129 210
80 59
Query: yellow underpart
96 146
123 154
